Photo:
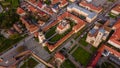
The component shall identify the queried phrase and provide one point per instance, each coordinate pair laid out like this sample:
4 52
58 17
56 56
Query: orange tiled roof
36 34
60 56
17 28
55 1
103 47
116 35
90 6
100 50
32 8
32 28
60 27
117 8
20 10
63 2
117 24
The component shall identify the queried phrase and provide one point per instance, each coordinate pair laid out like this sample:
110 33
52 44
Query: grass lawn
112 15
46 48
82 41
50 32
107 65
57 37
7 43
72 48
93 49
29 63
67 64
81 56
111 0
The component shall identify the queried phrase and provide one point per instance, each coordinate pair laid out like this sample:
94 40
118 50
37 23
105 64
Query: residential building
72 0
41 23
20 11
62 27
59 58
100 52
62 2
90 16
97 34
116 10
115 38
30 27
91 7
17 28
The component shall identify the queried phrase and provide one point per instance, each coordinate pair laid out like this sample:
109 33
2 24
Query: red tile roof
17 28
32 28
32 8
55 1
40 4
117 24
100 51
90 6
63 3
20 11
117 8
94 60
116 35
60 56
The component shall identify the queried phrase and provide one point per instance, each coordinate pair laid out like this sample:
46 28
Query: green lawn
112 15
72 48
67 64
29 63
107 65
81 56
111 0
82 41
7 43
50 32
93 49
14 3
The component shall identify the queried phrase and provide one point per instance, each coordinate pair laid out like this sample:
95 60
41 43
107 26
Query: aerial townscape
59 33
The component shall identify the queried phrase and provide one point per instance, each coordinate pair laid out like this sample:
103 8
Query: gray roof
90 13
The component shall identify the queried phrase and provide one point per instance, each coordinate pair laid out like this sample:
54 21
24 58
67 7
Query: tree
14 36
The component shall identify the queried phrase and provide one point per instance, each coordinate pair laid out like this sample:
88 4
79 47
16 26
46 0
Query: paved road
37 49
31 44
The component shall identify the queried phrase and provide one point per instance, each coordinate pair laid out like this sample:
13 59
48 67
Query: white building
97 35
90 16
62 27
41 38
116 10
